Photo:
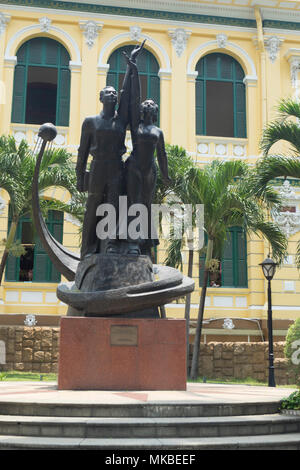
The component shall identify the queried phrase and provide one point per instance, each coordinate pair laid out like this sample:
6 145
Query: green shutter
200 114
216 68
111 80
234 260
241 258
63 98
227 274
12 268
19 94
42 52
40 264
43 269
240 110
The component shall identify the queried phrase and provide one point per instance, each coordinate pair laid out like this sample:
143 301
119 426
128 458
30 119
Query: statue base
122 354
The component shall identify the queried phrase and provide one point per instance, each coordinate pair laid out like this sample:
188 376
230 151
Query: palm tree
17 169
285 128
230 197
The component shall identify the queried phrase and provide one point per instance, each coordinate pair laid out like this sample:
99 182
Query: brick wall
243 360
35 349
29 349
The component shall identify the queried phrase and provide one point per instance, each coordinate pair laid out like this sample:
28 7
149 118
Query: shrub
292 348
292 402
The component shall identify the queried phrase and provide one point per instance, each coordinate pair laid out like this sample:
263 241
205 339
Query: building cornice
181 11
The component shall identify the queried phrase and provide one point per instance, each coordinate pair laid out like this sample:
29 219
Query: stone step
190 427
157 409
262 442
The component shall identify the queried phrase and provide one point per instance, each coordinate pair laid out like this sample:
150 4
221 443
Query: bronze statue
103 137
105 279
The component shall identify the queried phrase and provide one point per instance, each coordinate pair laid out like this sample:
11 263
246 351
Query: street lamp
269 268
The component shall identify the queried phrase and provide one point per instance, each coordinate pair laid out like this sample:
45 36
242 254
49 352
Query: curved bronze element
64 260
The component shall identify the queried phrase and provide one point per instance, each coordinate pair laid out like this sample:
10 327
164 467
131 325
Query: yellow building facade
185 39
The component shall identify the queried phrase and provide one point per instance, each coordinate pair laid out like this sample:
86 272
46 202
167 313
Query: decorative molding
4 20
30 320
293 57
289 222
72 219
228 324
45 24
222 40
212 45
90 30
272 45
2 205
28 30
179 38
123 37
135 33
164 74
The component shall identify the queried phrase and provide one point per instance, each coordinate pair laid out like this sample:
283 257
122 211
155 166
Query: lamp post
269 268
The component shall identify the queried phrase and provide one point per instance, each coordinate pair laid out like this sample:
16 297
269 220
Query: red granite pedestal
122 354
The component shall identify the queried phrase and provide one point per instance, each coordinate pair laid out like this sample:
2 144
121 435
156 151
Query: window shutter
219 85
154 92
19 94
35 54
43 270
241 254
240 111
40 265
227 274
12 269
200 121
63 98
111 80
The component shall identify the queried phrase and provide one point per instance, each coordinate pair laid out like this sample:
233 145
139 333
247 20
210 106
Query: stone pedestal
122 354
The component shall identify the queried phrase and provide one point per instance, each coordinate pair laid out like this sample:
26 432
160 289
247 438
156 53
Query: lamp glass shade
269 268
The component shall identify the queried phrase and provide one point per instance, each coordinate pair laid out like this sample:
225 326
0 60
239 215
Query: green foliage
292 402
17 162
292 347
15 248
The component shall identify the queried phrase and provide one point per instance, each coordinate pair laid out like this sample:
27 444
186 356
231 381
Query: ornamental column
89 85
179 97
4 85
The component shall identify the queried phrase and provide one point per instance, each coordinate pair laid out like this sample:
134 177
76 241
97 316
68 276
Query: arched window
148 72
233 265
35 265
220 97
41 83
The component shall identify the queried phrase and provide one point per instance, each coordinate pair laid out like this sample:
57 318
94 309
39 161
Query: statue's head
108 95
149 107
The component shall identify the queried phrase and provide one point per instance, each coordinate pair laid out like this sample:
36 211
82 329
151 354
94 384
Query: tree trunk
188 309
10 240
197 340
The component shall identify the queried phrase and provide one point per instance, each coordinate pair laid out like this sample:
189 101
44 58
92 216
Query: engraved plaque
123 335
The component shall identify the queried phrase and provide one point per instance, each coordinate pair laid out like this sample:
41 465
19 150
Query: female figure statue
147 139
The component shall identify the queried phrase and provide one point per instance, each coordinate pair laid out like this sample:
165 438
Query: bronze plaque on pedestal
123 335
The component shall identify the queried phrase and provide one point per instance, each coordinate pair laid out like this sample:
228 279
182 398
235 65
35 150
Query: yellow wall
266 82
